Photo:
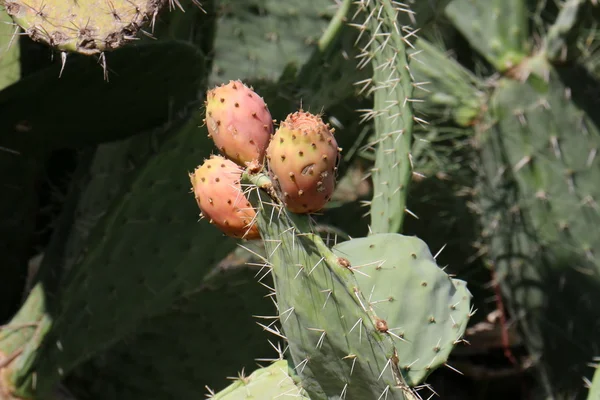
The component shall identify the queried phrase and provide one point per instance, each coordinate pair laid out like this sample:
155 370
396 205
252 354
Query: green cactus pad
84 26
258 39
332 336
594 393
273 382
422 13
498 29
112 166
424 308
18 188
10 69
538 197
445 89
140 257
556 41
19 202
193 341
148 85
392 88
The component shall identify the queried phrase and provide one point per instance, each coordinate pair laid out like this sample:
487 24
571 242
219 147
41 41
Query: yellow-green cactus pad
83 26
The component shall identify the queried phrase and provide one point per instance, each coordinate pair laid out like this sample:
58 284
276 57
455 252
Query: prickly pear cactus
10 69
179 336
392 87
85 26
498 29
537 189
165 74
424 310
333 338
539 195
445 90
51 347
594 393
272 382
258 39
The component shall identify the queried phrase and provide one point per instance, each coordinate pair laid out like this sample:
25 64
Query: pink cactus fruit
302 158
239 123
218 192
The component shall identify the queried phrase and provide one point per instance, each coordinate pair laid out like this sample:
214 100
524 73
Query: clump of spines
239 123
218 192
303 158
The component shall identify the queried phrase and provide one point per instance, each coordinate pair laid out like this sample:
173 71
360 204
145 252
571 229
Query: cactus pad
84 26
139 235
449 90
426 311
335 346
199 326
594 393
539 197
392 113
272 382
258 39
498 29
149 85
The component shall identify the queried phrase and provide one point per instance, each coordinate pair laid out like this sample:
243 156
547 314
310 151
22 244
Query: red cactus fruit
218 191
239 123
303 157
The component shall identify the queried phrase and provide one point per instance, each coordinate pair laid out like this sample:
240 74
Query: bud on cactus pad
85 26
218 191
239 122
303 158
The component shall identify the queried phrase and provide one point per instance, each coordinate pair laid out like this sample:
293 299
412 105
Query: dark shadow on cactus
441 201
555 304
585 89
148 84
34 56
204 338
551 292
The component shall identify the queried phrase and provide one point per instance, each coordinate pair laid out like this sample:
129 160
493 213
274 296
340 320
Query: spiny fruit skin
239 122
218 192
303 157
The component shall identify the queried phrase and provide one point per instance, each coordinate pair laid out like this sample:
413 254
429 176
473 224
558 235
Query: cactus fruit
239 122
303 157
86 27
218 192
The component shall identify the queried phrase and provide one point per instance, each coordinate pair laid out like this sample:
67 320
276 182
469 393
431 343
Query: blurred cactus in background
330 199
